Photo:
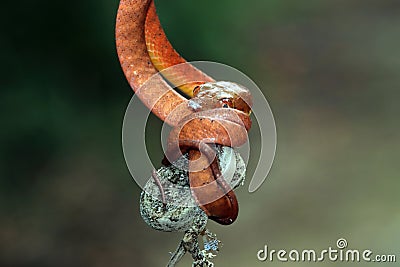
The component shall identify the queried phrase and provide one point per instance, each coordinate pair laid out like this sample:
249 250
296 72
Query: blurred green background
330 70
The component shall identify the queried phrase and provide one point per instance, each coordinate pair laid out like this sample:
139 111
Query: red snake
143 50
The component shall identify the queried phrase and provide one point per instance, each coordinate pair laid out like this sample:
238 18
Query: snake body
218 113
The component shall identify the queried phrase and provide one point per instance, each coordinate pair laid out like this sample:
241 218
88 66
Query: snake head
221 95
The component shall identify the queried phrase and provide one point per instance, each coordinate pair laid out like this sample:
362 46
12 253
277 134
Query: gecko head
222 95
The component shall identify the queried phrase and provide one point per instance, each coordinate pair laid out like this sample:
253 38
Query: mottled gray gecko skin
182 212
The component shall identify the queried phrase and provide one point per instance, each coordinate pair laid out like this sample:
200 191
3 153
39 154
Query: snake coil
218 113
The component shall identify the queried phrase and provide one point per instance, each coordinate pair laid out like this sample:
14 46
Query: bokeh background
330 70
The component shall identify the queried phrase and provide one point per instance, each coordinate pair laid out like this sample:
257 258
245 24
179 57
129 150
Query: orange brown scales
143 49
219 126
163 56
224 209
137 66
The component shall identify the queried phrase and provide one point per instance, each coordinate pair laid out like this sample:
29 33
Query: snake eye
226 103
196 90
